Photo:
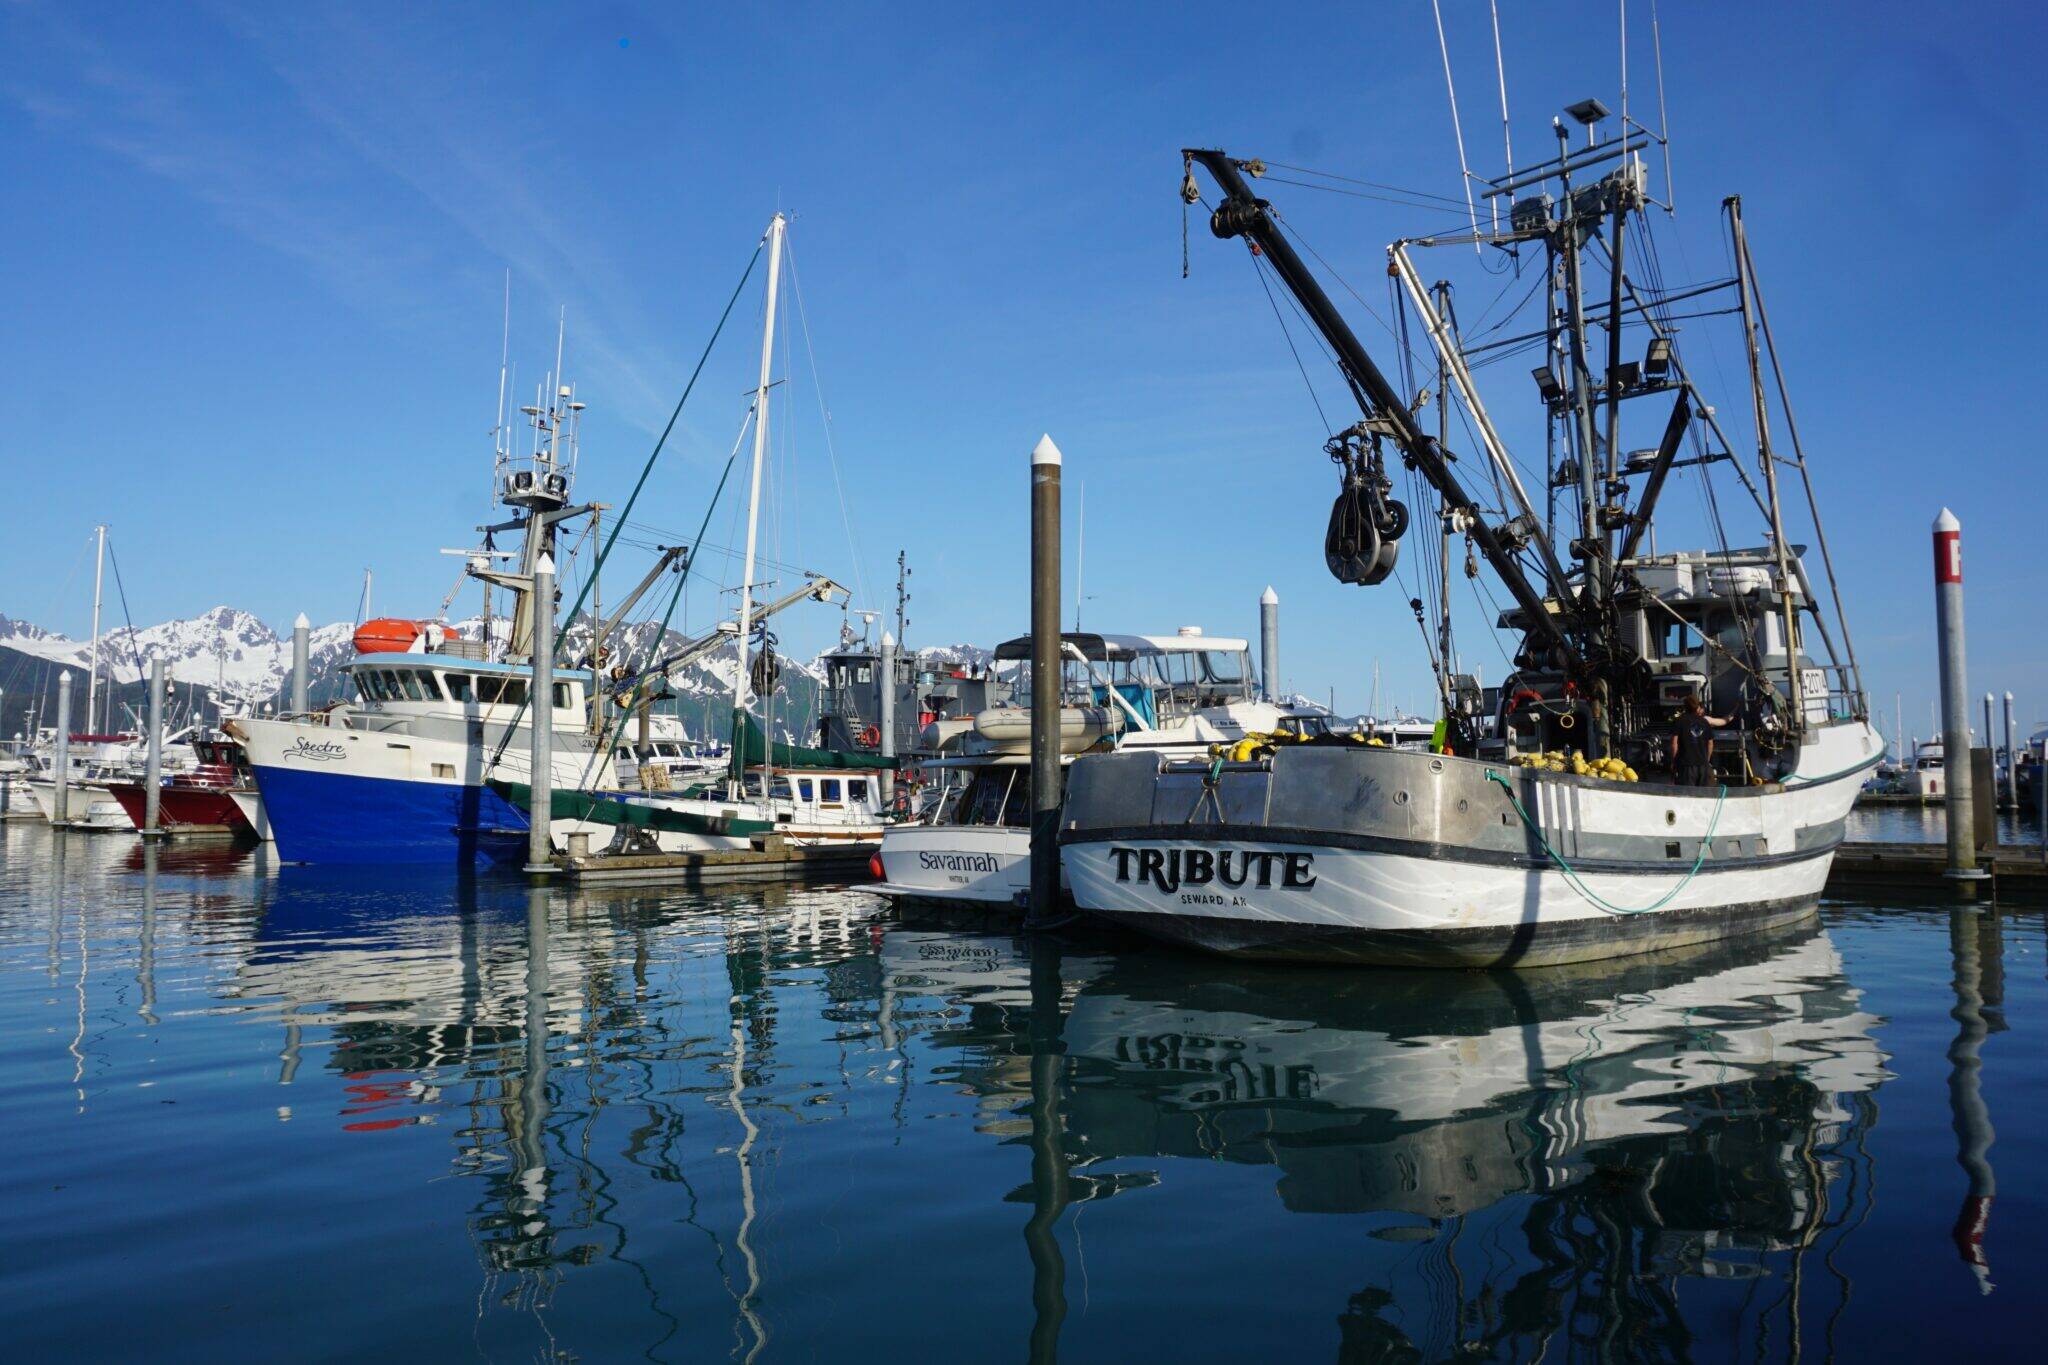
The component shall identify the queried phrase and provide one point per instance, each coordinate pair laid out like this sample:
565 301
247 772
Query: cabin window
622 755
409 683
514 693
864 674
366 683
430 686
458 686
829 789
487 689
1220 667
803 787
444 770
856 789
668 751
563 701
1677 640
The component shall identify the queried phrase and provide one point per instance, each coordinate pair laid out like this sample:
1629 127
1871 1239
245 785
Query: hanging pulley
1364 535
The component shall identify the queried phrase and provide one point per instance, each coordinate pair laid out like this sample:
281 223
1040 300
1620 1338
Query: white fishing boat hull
1393 858
986 865
87 806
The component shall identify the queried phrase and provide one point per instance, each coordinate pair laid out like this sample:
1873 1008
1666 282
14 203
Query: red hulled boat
200 801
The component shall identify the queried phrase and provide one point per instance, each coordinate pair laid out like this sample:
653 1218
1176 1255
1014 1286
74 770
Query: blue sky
256 260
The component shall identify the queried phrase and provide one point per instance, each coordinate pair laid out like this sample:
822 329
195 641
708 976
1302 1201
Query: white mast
92 686
740 684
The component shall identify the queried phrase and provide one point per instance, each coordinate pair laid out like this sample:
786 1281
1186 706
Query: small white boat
1176 695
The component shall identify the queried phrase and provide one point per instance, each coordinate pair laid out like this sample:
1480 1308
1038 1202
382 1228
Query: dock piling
153 771
1045 679
888 718
60 809
1955 694
2012 761
1269 643
540 782
302 639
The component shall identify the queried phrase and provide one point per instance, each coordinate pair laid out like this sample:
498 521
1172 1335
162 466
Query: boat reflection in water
679 1086
1595 1136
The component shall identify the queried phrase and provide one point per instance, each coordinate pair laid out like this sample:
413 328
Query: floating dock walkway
772 858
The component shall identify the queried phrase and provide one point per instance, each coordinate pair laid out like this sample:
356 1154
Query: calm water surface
254 1112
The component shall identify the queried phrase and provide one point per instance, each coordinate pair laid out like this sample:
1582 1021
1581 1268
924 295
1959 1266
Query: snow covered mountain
233 658
226 651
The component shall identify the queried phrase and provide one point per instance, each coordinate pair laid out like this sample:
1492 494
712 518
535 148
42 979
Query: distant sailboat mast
741 681
92 686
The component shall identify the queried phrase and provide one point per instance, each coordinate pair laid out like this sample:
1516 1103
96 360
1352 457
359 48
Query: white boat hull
973 864
1380 856
87 806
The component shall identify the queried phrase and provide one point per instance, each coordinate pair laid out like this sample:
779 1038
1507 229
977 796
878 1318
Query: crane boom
1241 214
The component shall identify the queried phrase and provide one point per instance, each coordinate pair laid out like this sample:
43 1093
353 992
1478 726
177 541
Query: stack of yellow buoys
1261 743
1571 761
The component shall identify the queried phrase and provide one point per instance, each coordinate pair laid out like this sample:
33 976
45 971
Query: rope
655 454
1571 874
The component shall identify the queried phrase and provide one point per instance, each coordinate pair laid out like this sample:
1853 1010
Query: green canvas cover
797 756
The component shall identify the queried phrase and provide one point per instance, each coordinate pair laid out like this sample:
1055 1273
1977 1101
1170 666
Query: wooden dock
772 858
2016 869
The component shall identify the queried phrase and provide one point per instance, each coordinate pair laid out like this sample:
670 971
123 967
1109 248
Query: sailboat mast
92 686
1770 463
741 681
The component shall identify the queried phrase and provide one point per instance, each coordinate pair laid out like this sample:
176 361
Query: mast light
1587 112
1547 385
1657 359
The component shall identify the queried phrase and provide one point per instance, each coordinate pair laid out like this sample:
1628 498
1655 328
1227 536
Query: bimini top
1106 648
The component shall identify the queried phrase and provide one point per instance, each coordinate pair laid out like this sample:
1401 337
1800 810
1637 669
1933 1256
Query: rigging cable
677 412
825 412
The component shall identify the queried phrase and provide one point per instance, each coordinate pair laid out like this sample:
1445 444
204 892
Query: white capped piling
540 782
302 637
153 771
1269 644
888 719
1955 697
60 810
2012 760
1045 678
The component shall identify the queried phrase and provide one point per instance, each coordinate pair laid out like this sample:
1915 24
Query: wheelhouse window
856 789
828 788
804 789
563 701
409 683
458 686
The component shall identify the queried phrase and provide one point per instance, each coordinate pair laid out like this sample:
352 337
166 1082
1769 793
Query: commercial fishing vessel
1562 831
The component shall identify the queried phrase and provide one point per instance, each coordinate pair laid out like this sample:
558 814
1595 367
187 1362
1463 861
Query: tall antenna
1624 68
1663 123
902 597
1500 70
1464 170
504 369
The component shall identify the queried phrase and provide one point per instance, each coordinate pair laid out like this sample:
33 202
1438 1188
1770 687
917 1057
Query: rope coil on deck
1571 874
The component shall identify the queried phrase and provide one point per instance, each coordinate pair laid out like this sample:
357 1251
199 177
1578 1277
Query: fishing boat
400 774
198 801
1567 834
1177 695
809 797
92 762
1925 780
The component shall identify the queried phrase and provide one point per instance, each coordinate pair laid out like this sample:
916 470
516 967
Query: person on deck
1692 744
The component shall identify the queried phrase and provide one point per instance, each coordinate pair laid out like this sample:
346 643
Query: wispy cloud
370 160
